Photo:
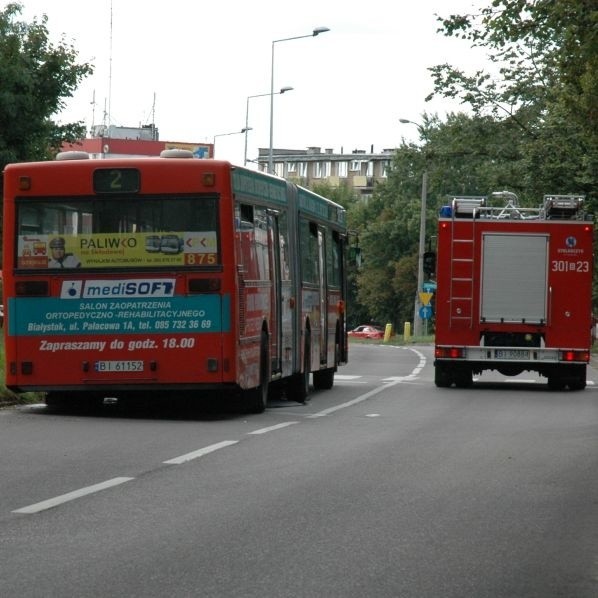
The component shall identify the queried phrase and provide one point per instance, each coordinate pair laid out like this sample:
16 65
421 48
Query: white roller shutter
514 278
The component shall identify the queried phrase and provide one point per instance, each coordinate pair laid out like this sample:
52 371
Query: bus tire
298 387
258 397
324 379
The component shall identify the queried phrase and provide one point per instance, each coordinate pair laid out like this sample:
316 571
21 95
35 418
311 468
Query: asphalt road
384 486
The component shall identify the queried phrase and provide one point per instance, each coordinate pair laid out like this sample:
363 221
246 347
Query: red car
367 331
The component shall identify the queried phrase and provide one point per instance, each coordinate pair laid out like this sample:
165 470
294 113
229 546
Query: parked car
367 331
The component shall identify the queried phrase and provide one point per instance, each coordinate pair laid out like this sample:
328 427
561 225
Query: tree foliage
36 77
546 84
531 129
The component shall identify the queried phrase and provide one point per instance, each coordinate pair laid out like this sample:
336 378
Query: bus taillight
32 288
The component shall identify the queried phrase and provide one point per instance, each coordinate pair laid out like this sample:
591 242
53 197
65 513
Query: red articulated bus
128 276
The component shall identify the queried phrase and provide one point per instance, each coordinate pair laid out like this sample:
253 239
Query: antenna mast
110 70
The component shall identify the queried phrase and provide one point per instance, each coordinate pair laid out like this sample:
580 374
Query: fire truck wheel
442 377
463 378
578 380
556 382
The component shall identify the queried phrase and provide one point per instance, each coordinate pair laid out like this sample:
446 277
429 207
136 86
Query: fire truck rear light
204 285
32 288
574 356
449 352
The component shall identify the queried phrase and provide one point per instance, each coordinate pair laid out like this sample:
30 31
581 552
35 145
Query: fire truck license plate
512 354
119 366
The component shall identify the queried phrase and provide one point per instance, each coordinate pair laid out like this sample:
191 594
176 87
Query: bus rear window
117 232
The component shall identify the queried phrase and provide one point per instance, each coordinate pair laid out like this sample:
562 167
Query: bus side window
309 252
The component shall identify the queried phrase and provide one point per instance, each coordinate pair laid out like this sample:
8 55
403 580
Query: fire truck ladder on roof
464 212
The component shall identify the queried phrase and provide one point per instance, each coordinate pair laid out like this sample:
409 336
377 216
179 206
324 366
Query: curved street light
243 130
417 319
247 128
315 32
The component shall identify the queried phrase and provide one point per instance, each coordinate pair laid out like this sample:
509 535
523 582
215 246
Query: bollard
387 332
407 331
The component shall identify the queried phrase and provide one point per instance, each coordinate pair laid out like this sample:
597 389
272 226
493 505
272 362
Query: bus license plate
512 354
119 366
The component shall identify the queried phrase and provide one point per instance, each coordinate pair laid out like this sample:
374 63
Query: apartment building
359 170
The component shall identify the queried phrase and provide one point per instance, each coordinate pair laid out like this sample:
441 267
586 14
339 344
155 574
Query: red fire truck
514 290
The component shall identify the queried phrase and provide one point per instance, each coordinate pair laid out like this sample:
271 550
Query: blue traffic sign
425 312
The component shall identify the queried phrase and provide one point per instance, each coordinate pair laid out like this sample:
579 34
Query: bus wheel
258 397
298 386
324 379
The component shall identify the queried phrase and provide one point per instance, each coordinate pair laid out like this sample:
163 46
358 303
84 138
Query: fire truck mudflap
514 290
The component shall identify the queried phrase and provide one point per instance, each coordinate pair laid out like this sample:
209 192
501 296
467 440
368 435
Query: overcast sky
190 66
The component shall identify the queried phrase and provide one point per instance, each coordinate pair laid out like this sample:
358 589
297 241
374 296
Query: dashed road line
200 452
58 500
272 428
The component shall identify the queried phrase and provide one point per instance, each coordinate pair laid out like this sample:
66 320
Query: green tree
36 77
546 86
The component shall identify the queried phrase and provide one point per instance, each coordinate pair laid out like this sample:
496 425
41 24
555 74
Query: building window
317 170
385 168
302 169
355 166
343 168
370 168
292 167
327 169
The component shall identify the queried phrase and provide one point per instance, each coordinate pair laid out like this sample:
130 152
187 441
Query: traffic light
429 262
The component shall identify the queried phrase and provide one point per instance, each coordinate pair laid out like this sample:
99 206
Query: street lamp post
315 32
417 319
247 128
244 130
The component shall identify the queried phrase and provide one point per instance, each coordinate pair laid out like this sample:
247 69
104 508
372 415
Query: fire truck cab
514 289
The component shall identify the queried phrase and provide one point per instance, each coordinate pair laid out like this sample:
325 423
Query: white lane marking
271 428
58 500
389 382
200 452
346 377
372 415
359 399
